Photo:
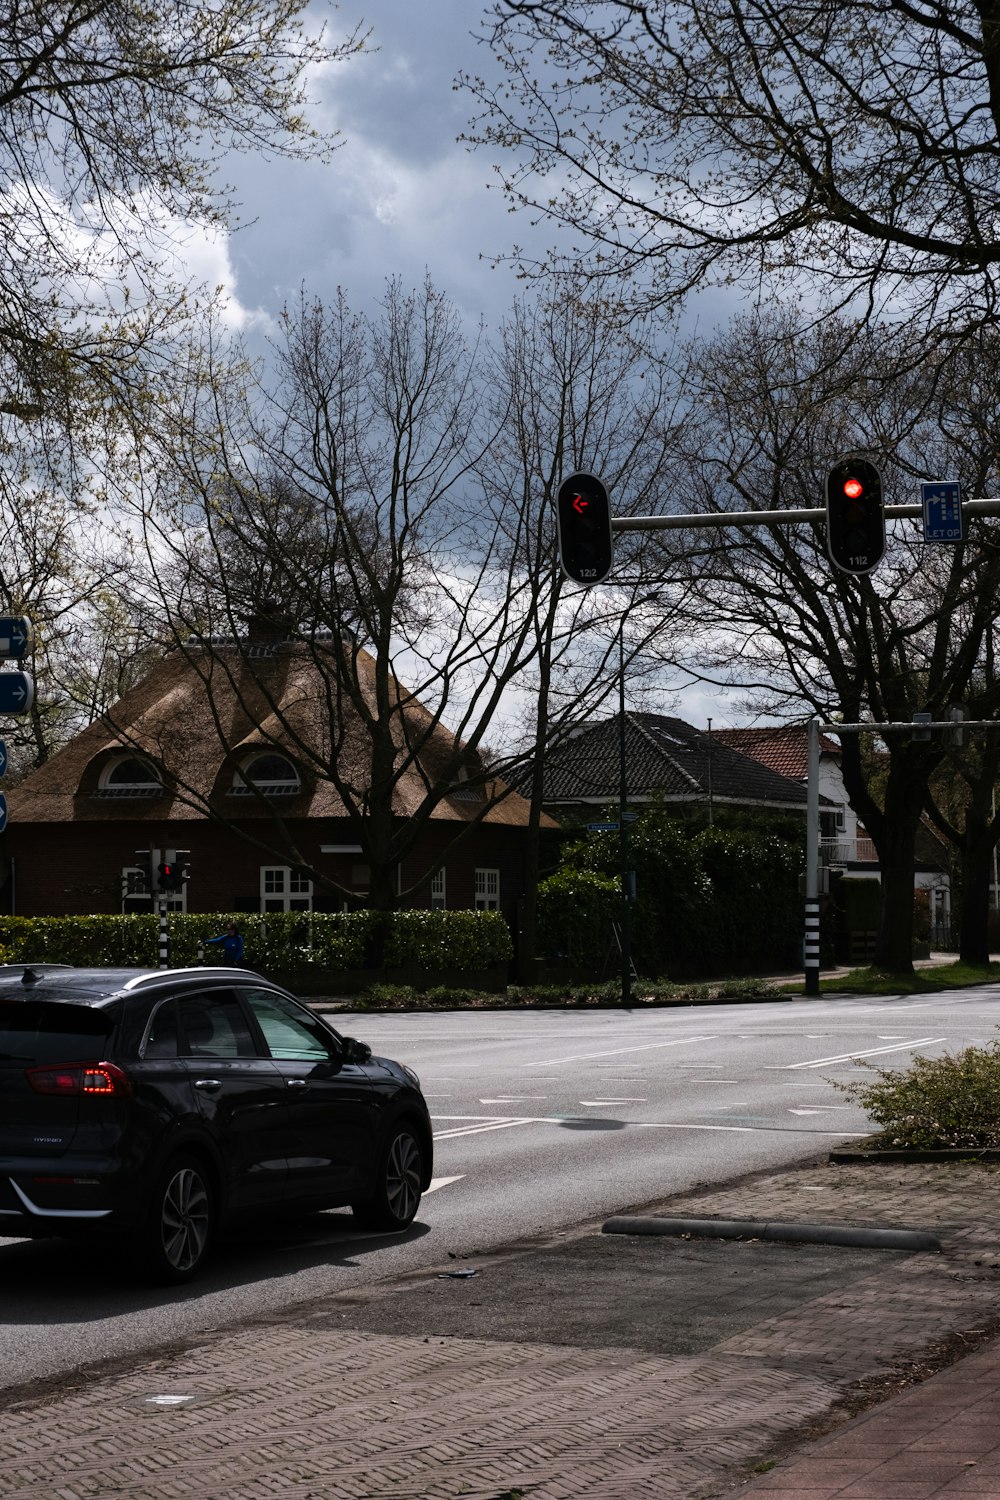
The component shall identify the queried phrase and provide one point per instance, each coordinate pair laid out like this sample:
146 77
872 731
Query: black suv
162 1105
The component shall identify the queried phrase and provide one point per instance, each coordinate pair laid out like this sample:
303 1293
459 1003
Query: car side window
161 1038
291 1034
213 1025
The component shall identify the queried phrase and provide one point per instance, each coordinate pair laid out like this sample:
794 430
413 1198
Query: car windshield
32 1031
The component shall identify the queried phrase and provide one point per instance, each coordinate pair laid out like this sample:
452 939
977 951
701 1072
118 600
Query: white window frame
439 891
293 890
487 889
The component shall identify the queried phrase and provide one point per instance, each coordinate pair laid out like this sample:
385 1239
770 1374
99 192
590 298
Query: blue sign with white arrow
15 635
3 757
17 692
942 502
3 812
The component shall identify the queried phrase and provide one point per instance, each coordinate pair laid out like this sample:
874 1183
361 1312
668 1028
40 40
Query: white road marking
440 1182
681 1041
822 1062
730 1081
596 1103
511 1098
745 1129
448 1135
819 1110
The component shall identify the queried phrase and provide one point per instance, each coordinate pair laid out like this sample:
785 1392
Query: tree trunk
977 855
896 841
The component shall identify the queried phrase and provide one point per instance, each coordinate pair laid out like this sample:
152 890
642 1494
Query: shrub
575 911
937 1103
708 900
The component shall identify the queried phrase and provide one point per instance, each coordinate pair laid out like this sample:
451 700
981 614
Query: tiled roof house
666 760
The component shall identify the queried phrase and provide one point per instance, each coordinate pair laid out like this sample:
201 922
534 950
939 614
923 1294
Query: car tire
181 1222
396 1199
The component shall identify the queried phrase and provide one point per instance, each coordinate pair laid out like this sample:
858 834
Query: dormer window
271 775
130 776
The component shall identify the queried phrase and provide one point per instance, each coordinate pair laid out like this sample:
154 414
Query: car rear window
34 1032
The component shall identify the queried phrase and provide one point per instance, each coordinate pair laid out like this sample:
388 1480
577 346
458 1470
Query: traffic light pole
164 950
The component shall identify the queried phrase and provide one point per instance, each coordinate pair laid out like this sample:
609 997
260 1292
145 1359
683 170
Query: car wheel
181 1222
396 1199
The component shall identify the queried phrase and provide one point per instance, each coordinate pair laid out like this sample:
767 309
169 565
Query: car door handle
208 1085
296 1083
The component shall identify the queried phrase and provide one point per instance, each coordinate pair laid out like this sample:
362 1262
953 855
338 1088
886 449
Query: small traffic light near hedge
168 876
583 516
855 518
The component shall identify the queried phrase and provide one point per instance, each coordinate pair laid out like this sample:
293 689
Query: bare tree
769 406
848 147
350 493
574 387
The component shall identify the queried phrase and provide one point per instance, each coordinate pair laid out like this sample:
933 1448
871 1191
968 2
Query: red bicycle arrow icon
580 504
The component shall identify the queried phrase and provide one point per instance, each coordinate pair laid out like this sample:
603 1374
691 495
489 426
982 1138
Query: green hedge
288 942
447 939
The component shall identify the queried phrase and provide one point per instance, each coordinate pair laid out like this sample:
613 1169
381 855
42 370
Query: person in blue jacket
232 945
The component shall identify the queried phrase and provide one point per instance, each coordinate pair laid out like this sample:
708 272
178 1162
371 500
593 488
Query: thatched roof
201 713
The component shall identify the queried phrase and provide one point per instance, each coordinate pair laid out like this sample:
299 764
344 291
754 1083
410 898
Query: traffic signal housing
855 518
169 876
583 518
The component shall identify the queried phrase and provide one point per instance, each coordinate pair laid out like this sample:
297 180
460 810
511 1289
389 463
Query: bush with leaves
709 900
950 1102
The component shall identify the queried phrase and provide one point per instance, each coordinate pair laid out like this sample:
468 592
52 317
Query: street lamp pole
626 944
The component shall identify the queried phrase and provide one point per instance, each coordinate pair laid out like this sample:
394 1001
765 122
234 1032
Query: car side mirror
355 1051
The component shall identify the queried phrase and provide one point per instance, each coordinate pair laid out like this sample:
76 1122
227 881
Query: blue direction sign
3 812
602 827
15 635
3 757
942 502
17 692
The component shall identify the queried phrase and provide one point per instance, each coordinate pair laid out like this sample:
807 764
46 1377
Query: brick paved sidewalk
398 1393
939 1439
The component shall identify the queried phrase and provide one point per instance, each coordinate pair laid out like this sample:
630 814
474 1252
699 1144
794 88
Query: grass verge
873 981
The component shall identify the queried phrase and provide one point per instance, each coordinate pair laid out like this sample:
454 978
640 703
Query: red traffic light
583 518
855 519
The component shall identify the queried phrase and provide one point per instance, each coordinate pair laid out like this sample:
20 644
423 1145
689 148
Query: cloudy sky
401 197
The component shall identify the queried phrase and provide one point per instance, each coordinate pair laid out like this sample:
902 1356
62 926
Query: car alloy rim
184 1219
403 1177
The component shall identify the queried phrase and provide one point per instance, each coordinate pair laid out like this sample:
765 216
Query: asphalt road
542 1120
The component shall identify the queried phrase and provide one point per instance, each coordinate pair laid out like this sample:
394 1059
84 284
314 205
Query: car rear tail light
70 1080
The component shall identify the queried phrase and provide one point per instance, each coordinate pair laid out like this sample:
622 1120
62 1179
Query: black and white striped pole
163 931
811 946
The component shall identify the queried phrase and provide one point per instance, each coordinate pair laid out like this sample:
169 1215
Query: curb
892 1158
810 1234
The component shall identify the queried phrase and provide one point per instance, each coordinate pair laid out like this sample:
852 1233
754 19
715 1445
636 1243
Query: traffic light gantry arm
722 518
